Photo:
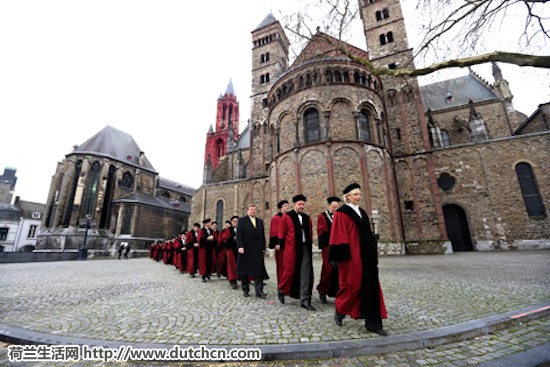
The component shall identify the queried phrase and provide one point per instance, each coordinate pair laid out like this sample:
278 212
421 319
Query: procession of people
349 270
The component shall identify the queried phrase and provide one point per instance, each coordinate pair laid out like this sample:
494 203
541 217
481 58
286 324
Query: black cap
298 198
234 217
196 225
228 221
207 220
350 187
333 198
281 203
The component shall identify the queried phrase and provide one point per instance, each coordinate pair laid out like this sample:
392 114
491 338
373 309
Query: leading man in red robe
354 247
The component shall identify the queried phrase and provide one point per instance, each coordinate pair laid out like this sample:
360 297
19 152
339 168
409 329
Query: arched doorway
457 227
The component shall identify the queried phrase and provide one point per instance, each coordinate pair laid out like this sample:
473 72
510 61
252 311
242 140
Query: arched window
385 13
530 190
166 195
389 37
312 128
364 126
92 186
445 140
127 181
378 15
220 151
382 39
219 212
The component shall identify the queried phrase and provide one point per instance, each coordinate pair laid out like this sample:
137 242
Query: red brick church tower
220 141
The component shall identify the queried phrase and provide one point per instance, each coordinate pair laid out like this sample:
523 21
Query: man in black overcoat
251 247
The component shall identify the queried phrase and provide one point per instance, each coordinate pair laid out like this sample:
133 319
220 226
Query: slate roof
244 139
176 186
113 143
462 89
9 211
267 21
28 208
160 202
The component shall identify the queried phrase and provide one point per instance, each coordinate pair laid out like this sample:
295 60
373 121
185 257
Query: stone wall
487 189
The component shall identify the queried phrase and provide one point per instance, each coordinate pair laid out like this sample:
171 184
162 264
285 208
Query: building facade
7 185
444 167
108 192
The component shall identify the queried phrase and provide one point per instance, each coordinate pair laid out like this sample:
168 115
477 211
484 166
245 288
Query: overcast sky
153 69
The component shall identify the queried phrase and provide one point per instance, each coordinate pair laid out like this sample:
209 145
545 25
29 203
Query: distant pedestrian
120 249
127 251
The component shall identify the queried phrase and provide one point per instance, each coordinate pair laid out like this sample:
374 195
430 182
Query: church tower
419 195
270 48
227 129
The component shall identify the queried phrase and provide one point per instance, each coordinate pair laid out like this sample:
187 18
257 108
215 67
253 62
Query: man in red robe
206 248
328 283
220 250
215 257
353 246
230 235
295 238
274 236
176 248
192 244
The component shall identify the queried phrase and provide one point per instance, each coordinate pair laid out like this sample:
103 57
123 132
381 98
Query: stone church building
449 166
108 185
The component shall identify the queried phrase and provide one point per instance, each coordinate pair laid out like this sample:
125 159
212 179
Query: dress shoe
245 294
378 331
204 279
338 317
261 295
281 296
308 307
234 286
191 275
323 297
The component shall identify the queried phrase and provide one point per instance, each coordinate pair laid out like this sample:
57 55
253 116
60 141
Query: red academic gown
220 251
231 253
192 252
353 246
289 283
274 240
215 260
328 282
177 254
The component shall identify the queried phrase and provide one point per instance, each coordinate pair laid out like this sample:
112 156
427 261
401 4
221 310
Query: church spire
229 89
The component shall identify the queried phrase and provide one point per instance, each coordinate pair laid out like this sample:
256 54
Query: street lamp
83 251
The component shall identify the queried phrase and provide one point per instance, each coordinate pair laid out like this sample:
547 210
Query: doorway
458 231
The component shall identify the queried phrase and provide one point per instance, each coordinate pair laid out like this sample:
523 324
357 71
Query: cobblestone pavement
142 301
471 352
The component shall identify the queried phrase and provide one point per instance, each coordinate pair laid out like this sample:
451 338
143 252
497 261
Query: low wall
24 257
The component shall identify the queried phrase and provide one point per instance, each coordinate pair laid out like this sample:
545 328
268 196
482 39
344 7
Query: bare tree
455 33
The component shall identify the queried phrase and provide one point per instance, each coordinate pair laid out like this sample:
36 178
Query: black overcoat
251 263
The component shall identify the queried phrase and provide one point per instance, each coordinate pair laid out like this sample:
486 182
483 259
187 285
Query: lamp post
83 251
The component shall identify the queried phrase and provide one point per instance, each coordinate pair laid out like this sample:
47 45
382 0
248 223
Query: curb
348 348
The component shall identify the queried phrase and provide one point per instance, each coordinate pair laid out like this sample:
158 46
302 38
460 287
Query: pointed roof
229 89
267 21
461 89
115 144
